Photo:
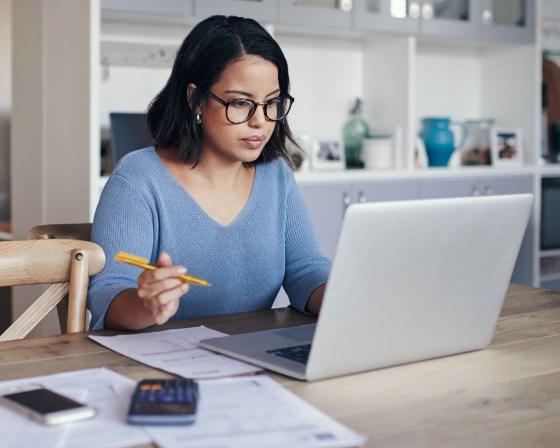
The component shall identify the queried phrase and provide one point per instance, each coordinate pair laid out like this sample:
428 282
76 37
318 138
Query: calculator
164 402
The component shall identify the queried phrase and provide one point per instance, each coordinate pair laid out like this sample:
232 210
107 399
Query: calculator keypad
164 396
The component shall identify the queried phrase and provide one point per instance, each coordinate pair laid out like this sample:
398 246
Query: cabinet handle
475 191
346 201
361 197
488 191
414 10
427 11
345 5
487 17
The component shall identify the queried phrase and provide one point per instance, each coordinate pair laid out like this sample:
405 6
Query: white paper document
103 389
254 412
177 352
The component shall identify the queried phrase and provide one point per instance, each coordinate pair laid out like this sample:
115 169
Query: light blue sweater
143 210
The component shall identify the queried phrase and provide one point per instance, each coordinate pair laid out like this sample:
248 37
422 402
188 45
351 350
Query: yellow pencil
144 263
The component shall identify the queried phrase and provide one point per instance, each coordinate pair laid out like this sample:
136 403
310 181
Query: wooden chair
80 231
64 264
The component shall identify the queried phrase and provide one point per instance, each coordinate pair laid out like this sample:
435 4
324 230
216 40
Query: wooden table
505 396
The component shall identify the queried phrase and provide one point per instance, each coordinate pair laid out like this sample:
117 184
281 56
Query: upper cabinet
398 16
316 13
260 10
450 18
170 8
507 20
474 20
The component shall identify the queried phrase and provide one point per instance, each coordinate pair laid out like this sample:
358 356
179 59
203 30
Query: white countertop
309 177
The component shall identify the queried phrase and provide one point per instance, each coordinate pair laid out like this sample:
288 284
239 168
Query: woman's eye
241 104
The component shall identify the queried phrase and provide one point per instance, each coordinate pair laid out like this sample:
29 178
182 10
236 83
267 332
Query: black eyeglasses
240 110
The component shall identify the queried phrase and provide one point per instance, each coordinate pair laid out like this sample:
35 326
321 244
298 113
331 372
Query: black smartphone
46 406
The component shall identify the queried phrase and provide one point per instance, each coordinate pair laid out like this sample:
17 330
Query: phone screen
43 401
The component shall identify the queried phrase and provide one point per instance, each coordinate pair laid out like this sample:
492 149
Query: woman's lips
254 142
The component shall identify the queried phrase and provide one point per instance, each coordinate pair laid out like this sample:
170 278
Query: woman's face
249 78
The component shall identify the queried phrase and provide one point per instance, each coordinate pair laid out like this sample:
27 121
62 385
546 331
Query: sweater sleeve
123 222
306 266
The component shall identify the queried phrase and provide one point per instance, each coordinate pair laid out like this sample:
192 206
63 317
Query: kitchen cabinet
482 186
553 284
450 18
335 14
171 8
327 202
486 186
260 10
394 16
511 21
508 21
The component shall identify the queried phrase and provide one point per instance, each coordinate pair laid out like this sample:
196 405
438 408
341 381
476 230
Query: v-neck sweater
143 210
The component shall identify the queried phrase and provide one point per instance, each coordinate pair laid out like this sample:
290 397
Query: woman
215 193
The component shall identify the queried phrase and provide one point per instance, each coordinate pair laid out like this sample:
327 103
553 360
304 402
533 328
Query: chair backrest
80 231
64 264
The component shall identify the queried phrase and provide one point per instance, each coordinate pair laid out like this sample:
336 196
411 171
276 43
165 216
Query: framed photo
327 154
506 147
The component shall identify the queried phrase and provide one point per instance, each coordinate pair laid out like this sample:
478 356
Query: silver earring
198 118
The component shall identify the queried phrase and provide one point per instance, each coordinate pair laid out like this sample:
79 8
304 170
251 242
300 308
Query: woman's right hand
160 290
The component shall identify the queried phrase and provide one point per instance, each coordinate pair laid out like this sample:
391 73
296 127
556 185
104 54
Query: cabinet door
400 16
449 18
380 191
316 13
260 10
507 20
448 188
326 204
553 284
523 271
505 185
174 8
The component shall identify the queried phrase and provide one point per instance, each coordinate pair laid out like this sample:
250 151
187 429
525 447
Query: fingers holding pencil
161 290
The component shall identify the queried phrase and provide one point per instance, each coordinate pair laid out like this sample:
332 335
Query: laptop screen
129 131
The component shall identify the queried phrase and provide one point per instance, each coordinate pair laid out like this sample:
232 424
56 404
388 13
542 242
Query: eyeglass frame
256 104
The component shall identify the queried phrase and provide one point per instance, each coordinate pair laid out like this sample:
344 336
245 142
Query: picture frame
506 146
327 153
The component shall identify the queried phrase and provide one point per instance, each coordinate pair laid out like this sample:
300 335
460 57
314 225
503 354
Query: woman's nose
259 118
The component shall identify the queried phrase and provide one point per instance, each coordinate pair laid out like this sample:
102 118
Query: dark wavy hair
207 50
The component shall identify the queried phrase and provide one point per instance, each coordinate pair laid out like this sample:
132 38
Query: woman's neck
211 170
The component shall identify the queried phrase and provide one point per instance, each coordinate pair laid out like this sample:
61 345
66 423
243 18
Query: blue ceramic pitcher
438 140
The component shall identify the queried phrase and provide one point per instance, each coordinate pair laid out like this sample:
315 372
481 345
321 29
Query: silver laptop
410 280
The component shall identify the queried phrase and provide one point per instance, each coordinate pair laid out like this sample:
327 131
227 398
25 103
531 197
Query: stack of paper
95 387
243 412
255 412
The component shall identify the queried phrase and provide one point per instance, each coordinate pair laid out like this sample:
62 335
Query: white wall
449 81
54 128
129 89
325 76
5 104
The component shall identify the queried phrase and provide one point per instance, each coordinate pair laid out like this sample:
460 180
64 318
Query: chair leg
77 296
35 313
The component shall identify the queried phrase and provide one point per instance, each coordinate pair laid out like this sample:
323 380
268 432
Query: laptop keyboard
298 353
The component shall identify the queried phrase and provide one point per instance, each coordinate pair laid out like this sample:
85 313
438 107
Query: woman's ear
191 88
